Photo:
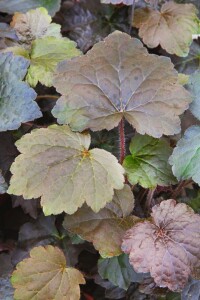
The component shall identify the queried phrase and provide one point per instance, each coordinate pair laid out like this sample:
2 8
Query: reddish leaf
167 247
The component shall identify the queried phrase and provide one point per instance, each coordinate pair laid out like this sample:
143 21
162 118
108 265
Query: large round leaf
56 164
116 79
167 247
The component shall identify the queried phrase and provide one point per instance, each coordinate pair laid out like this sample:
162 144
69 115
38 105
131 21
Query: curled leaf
16 97
108 225
167 247
116 79
171 27
45 276
55 163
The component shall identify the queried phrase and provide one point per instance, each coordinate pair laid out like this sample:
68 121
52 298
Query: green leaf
45 54
118 271
12 6
194 88
108 225
56 164
148 163
3 185
195 203
185 159
118 78
34 24
45 276
16 97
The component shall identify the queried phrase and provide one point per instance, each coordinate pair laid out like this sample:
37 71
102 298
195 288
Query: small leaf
118 271
108 225
194 88
3 185
126 2
167 247
108 83
177 21
12 6
45 54
16 97
45 275
33 25
148 163
185 159
56 164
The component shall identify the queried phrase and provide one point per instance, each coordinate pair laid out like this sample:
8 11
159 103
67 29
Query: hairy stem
180 186
122 147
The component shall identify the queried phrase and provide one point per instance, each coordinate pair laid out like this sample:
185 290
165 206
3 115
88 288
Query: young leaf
45 276
45 54
16 97
33 25
148 163
117 79
185 159
194 88
172 27
126 2
167 247
118 271
3 185
56 164
108 225
12 6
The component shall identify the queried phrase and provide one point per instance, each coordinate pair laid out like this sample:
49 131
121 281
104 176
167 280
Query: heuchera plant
126 199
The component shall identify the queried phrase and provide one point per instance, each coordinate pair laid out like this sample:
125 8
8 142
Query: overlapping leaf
172 27
33 25
56 164
185 159
118 271
45 275
45 54
194 88
108 83
167 247
16 97
3 185
108 225
41 42
12 6
148 163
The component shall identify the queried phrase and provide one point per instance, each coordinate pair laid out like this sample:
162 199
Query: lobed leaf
34 24
118 271
45 276
12 6
108 225
167 247
148 163
45 54
171 27
107 84
55 163
194 88
185 159
16 97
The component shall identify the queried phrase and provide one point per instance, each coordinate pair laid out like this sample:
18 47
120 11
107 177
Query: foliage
100 205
